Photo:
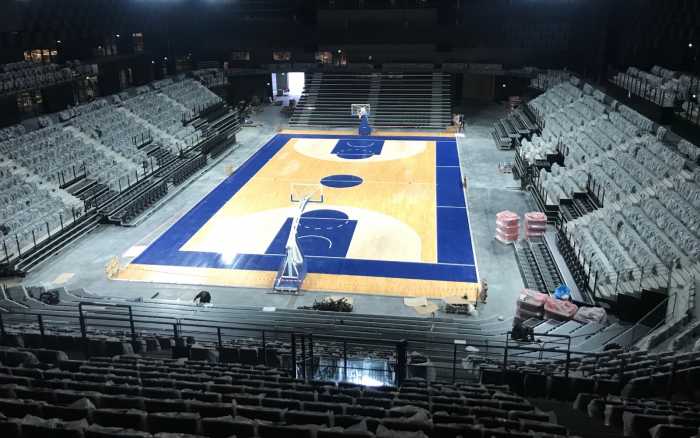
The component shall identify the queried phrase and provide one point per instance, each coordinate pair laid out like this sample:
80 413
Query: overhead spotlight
165 58
690 45
153 62
58 41
117 35
695 96
503 85
340 51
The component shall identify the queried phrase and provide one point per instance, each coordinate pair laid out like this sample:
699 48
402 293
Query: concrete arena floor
82 265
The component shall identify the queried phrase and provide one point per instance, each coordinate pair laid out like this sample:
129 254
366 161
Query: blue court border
454 244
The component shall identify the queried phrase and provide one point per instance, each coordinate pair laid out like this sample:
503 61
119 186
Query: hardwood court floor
394 220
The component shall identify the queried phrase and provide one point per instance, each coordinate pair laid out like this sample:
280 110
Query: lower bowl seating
46 394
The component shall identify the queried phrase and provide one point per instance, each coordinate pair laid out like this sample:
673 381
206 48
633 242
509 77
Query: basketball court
387 215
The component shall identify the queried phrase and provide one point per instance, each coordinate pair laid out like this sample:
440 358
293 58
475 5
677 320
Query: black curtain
9 113
57 97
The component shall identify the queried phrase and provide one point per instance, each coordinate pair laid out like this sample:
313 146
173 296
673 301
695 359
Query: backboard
355 108
299 191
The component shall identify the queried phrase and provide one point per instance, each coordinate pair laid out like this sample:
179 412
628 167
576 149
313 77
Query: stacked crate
559 310
530 304
507 227
535 224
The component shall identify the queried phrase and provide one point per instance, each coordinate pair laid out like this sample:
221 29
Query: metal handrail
128 318
650 314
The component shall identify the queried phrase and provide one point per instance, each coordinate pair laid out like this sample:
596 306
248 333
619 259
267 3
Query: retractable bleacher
396 100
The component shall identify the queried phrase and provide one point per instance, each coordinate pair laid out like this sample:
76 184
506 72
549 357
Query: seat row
548 79
27 205
101 142
641 418
659 85
407 100
650 212
25 75
631 374
192 94
126 392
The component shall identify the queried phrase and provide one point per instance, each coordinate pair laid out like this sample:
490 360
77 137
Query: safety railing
652 320
607 284
645 89
305 354
628 280
142 139
538 346
690 110
66 177
27 239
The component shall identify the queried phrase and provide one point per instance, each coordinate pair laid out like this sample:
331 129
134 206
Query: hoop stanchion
292 271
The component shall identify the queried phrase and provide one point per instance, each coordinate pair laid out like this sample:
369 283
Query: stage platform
394 219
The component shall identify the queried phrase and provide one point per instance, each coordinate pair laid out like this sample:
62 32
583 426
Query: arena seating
114 129
219 395
45 392
642 417
193 95
690 110
665 88
82 69
547 79
612 372
27 75
244 326
660 86
220 391
211 77
396 100
27 205
627 391
63 165
327 98
649 215
59 155
518 124
164 113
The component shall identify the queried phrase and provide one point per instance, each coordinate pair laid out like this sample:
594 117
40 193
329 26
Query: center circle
341 181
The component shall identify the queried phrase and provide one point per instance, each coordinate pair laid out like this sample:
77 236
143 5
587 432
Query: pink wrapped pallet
507 226
535 224
523 314
531 300
559 310
591 314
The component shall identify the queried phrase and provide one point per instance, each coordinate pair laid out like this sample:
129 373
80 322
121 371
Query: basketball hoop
360 109
313 193
292 272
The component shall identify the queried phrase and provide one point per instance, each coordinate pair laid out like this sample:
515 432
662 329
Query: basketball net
362 113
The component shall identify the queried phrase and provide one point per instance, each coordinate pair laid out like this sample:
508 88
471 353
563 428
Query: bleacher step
567 328
597 341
